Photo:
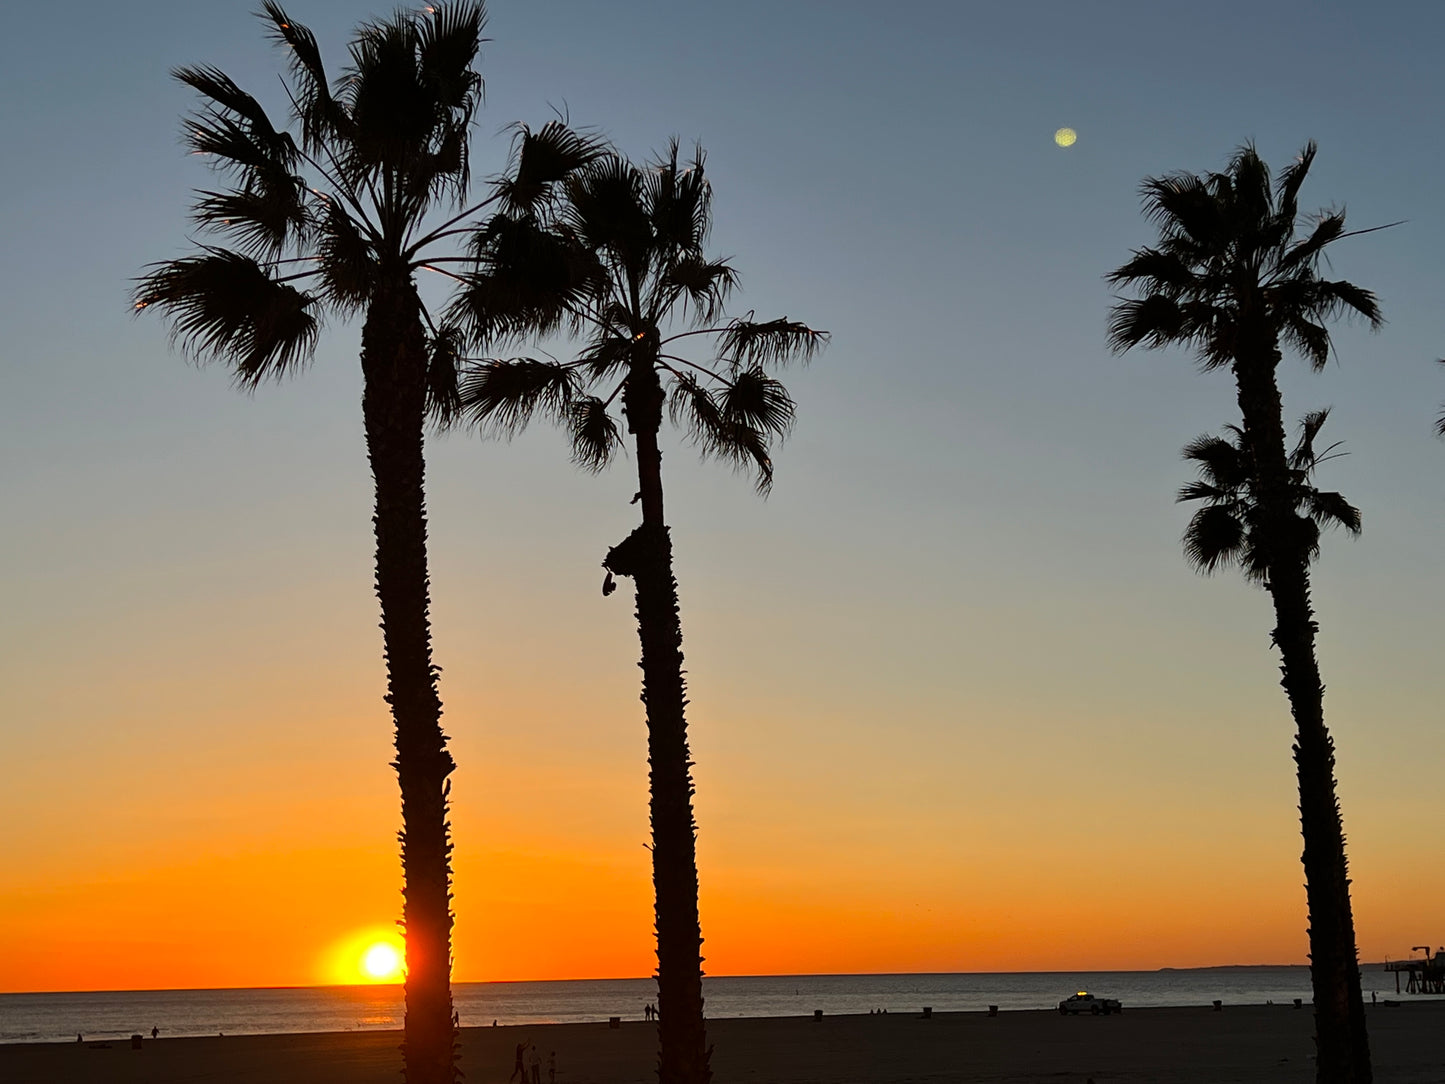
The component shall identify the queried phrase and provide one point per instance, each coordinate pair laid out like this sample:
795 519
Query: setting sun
382 961
368 957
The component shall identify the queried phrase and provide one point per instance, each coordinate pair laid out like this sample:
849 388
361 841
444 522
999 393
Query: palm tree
1233 278
338 219
621 259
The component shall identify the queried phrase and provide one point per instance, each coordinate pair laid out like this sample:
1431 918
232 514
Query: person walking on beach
536 1066
520 1068
552 1068
155 1032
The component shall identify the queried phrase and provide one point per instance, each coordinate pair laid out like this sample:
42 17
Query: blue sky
971 551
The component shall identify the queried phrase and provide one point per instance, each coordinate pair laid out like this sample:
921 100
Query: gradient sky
958 703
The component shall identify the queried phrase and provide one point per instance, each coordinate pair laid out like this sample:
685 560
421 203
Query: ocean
59 1017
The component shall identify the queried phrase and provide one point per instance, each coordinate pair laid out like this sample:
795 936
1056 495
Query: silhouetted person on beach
552 1068
520 1068
536 1066
155 1033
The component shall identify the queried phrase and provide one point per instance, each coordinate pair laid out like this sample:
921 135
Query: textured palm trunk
393 363
1341 1038
646 556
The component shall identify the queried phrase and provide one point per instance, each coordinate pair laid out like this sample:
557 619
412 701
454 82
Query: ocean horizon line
638 978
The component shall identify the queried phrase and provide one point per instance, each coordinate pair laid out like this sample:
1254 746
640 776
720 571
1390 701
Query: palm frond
604 209
1156 271
262 221
1305 253
769 342
393 113
1348 299
321 116
605 355
541 160
348 259
1201 491
227 94
448 39
449 36
1251 187
1154 320
704 284
1214 539
1222 463
1181 204
596 436
678 199
708 424
1303 458
239 148
757 401
503 395
1312 340
525 281
223 306
1291 179
1330 509
443 372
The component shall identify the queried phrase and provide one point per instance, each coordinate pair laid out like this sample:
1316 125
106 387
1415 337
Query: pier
1424 974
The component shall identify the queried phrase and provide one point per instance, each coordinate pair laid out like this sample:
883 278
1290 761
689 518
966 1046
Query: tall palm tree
339 218
1233 277
622 260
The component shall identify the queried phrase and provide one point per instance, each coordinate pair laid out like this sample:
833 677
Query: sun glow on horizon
369 957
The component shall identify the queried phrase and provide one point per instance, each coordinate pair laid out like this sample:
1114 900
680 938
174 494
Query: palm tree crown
1231 267
1227 529
621 259
342 205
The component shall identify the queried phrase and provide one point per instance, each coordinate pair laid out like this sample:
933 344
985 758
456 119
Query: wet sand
1169 1046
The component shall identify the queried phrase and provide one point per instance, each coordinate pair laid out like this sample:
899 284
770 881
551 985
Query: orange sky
233 822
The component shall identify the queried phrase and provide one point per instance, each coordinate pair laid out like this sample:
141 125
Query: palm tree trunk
646 556
1341 1039
393 363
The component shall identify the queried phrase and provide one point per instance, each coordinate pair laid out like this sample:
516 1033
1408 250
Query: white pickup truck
1084 1001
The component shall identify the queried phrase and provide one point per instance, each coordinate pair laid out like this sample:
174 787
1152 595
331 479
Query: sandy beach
1169 1046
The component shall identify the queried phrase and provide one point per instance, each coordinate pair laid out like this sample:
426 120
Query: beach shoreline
1244 1044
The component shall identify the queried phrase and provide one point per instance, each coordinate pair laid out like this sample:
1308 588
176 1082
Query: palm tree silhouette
348 207
621 260
1232 278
